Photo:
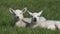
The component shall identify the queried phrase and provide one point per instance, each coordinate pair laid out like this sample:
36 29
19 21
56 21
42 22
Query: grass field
51 11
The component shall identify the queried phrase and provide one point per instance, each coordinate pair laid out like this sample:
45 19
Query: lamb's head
35 16
18 13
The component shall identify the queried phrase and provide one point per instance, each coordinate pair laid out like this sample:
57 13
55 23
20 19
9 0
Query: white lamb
18 17
42 22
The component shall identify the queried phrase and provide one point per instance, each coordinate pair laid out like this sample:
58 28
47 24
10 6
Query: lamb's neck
41 20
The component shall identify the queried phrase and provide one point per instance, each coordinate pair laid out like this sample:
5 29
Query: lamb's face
18 13
35 16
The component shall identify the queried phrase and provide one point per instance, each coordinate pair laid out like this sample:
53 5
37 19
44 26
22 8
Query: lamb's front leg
27 20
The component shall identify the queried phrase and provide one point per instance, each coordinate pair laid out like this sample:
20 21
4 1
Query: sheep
40 21
18 17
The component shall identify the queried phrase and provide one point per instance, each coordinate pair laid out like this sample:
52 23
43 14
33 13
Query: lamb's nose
34 19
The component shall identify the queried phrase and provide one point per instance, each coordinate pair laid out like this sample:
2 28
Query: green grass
51 11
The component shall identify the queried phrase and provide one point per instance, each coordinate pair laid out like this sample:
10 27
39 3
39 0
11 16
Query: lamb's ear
30 13
11 10
40 12
24 10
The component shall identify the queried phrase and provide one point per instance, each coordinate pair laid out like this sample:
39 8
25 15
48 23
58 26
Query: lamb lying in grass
18 17
37 20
